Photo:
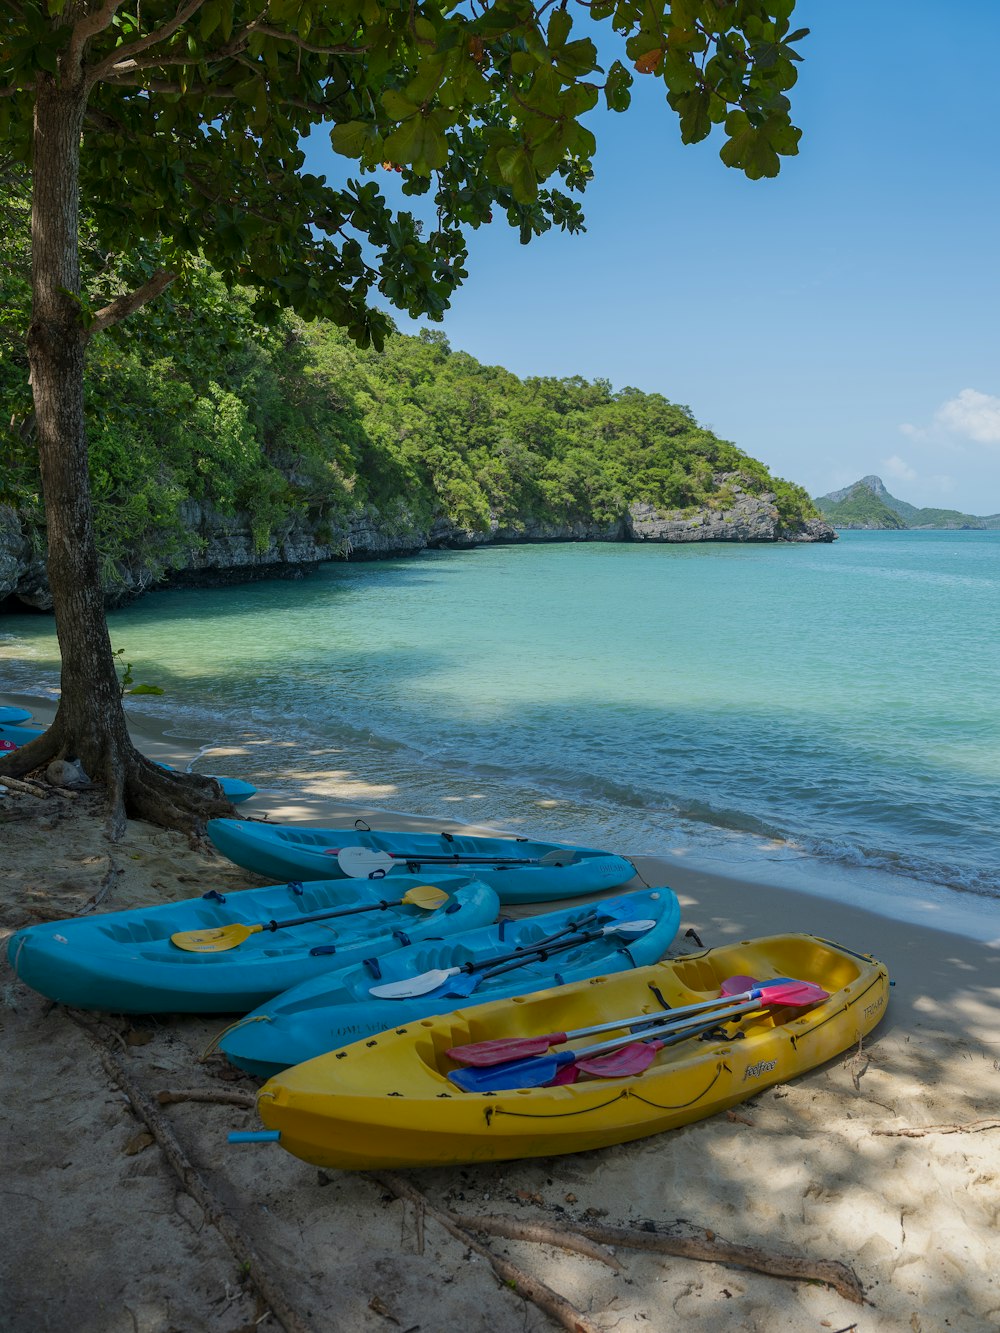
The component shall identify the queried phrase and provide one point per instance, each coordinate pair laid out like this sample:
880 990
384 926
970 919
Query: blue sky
838 321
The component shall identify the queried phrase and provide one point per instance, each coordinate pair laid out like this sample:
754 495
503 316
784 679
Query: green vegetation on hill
867 504
198 398
861 509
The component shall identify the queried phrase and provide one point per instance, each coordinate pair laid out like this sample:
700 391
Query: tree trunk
90 720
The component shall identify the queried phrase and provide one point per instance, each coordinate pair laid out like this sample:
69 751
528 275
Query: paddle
639 1055
361 862
501 1049
436 977
216 939
464 986
537 1071
602 912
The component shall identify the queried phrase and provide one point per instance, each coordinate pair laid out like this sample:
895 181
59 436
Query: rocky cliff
222 549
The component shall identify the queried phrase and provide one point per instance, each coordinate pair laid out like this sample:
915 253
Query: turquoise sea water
836 705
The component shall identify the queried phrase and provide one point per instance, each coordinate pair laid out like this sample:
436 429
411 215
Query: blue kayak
512 865
126 962
10 714
234 789
339 1008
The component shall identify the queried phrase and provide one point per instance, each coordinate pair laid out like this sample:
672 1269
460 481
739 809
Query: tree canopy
196 109
180 122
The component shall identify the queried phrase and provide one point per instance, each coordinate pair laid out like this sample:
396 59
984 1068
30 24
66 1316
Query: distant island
867 504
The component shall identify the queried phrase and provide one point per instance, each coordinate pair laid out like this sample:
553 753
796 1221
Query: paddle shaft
358 861
503 1049
441 975
572 929
526 953
443 858
682 1028
545 951
538 954
340 911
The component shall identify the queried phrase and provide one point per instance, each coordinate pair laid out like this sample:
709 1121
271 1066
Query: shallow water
733 703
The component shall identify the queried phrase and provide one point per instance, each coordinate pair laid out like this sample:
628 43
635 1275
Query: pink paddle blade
631 1059
738 985
502 1049
794 994
567 1074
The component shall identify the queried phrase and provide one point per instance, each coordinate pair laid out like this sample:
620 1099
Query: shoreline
767 870
822 1167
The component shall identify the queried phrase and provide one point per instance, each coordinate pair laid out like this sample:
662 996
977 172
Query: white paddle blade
560 857
630 927
361 862
412 986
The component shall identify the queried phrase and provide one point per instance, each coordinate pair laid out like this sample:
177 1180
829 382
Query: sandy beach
886 1159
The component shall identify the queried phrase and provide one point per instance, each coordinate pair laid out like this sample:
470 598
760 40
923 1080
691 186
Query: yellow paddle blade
425 895
214 940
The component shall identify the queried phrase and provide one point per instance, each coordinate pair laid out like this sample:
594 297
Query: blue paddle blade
457 988
534 1072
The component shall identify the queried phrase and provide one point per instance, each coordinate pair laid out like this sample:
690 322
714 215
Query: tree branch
128 303
556 1306
89 26
159 34
162 86
266 30
192 1180
919 1131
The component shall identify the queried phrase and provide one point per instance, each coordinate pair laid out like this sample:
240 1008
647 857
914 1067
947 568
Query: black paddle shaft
474 965
340 911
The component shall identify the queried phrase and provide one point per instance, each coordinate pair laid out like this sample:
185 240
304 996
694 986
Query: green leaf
351 138
398 106
617 87
517 170
209 18
693 109
559 28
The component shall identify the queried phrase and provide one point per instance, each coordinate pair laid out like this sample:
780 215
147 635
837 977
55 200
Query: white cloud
899 468
972 414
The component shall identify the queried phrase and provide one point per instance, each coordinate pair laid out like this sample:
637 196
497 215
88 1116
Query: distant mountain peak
875 485
867 504
871 483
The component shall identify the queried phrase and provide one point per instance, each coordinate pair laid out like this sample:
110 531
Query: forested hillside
206 396
867 504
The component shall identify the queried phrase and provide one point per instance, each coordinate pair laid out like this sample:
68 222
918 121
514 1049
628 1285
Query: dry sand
99 1236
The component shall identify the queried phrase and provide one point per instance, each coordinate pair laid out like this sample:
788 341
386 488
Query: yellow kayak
388 1101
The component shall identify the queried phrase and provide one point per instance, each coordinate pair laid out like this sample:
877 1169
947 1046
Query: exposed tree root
706 1248
28 788
238 1242
36 754
919 1131
563 1238
557 1307
222 1096
711 1249
134 786
171 799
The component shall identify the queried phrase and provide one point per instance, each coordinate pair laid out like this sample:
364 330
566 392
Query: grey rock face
221 547
749 518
